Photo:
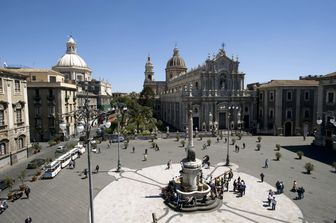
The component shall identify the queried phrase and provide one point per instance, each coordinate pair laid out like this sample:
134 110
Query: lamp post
190 117
86 117
119 109
228 109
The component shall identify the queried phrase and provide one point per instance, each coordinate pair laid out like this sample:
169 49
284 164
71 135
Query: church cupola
71 46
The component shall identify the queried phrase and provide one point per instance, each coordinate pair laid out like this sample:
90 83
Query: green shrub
9 181
153 144
278 155
277 146
209 142
309 167
177 136
125 144
239 135
334 165
258 146
259 138
52 142
300 154
233 141
183 143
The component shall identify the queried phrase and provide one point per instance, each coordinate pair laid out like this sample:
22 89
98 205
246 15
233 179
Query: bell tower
149 73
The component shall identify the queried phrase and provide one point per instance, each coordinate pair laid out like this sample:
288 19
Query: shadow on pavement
321 154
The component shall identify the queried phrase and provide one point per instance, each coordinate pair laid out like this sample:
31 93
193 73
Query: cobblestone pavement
65 198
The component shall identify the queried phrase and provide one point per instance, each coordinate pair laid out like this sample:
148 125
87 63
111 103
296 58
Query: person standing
85 173
97 168
266 163
262 177
27 191
294 186
243 145
133 149
146 151
274 202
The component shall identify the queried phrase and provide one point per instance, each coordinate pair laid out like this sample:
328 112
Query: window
271 96
38 123
271 113
289 95
50 92
37 92
18 116
261 96
330 97
2 118
17 86
260 113
52 79
289 114
306 95
37 110
20 143
51 110
2 148
306 113
33 78
1 85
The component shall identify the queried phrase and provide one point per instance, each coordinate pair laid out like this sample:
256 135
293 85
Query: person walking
266 163
85 173
133 149
73 164
262 177
28 219
98 149
243 145
168 164
97 168
294 186
27 191
146 151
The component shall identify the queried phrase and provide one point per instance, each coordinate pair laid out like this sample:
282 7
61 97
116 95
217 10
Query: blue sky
273 39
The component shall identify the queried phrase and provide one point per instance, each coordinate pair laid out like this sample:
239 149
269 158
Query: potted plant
259 138
9 181
277 146
239 135
182 143
300 154
309 167
34 178
22 177
334 165
177 136
38 172
221 135
36 147
125 145
233 141
258 146
278 156
153 144
209 142
200 137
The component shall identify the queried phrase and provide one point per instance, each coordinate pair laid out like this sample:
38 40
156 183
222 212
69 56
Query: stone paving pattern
65 198
135 196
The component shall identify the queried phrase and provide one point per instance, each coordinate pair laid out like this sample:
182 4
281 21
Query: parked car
3 184
60 149
115 139
35 163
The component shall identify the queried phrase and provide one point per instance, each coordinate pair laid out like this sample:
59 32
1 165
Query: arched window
21 143
3 150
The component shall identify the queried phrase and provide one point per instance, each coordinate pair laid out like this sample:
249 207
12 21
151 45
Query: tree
309 167
209 142
147 97
9 181
277 146
278 155
22 177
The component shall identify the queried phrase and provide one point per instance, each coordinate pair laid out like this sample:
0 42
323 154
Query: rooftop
289 83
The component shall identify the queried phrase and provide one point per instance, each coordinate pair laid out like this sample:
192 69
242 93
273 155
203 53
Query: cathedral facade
214 89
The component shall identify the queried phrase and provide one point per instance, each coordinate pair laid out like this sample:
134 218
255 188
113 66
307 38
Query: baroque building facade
52 100
215 87
14 119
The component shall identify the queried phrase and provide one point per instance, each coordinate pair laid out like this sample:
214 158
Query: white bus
81 148
65 159
74 153
52 169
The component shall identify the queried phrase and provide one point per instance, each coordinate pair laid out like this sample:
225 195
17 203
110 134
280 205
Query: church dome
176 60
71 58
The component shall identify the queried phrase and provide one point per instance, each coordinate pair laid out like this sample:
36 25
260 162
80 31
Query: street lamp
86 117
119 109
229 109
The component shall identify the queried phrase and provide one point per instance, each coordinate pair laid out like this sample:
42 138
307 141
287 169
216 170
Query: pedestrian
234 185
278 186
133 149
27 191
145 151
238 149
274 202
73 164
243 145
98 149
262 177
217 139
97 168
282 187
145 157
225 140
85 173
169 164
304 137
294 186
28 219
269 199
266 163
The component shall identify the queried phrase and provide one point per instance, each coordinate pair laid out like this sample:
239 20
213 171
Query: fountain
189 192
